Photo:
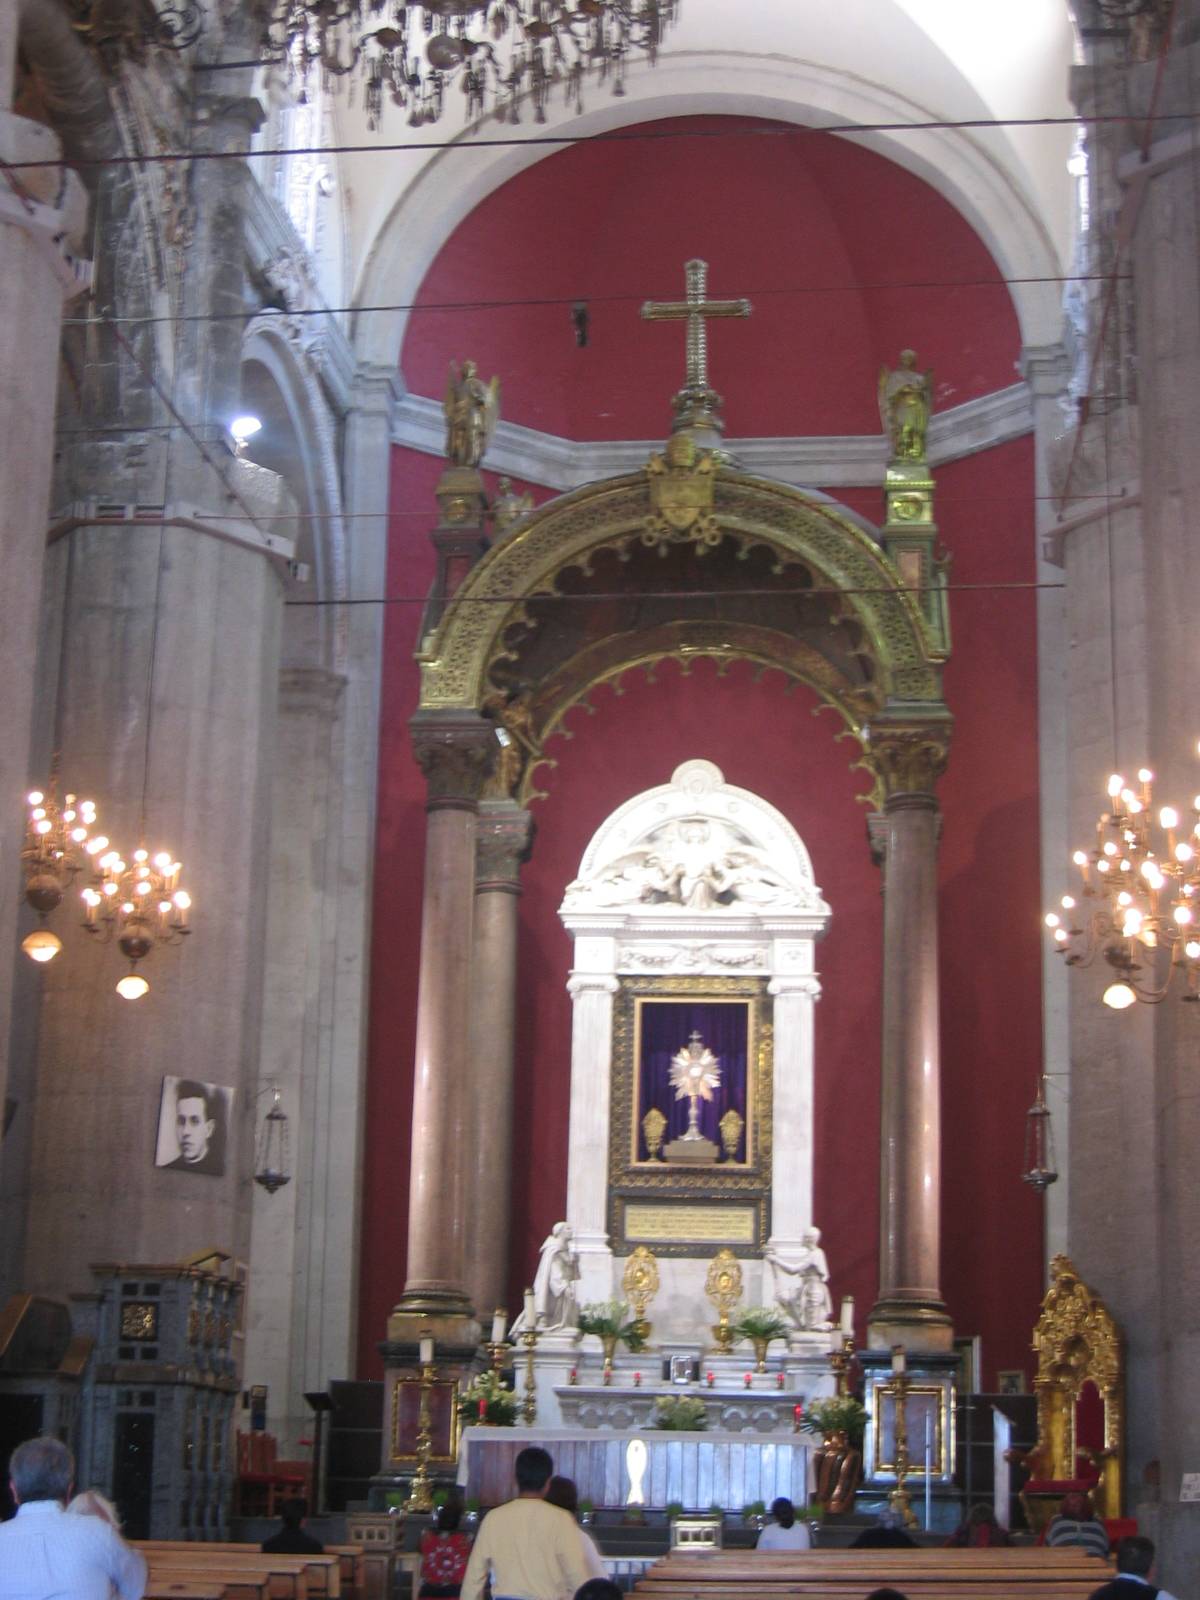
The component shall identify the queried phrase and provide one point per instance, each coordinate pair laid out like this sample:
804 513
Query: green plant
716 1511
756 1508
674 1509
839 1415
473 1506
760 1322
612 1319
486 1400
813 1513
584 1506
680 1413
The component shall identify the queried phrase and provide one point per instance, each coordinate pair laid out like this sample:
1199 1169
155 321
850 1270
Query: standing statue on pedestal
905 402
809 1303
554 1306
472 410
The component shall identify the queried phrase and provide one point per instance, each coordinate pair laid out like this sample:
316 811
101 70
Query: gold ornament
640 1283
723 1286
731 1125
654 1125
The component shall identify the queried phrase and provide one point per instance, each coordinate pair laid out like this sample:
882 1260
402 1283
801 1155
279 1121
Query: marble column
909 1309
503 834
792 1109
39 219
592 990
455 752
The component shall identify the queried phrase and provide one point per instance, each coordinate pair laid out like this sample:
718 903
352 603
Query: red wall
593 221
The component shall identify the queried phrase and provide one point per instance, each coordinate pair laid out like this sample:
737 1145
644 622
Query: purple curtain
666 1027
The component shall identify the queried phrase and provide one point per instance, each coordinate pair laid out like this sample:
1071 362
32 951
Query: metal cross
696 310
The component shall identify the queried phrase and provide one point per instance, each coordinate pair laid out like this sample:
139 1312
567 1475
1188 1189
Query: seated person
978 1530
444 1552
1135 1562
783 1532
887 1534
1077 1524
291 1540
599 1589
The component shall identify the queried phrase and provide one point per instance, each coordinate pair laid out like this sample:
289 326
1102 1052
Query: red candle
483 1411
798 1413
779 1380
710 1380
748 1380
574 1375
637 1380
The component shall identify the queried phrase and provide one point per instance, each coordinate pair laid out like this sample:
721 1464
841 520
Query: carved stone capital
502 838
808 985
455 751
907 759
591 983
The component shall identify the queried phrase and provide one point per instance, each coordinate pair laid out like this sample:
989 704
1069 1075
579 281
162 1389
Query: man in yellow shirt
532 1551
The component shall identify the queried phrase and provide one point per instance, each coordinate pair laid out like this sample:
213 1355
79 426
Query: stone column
455 752
591 994
792 1116
38 218
290 1266
909 1309
503 834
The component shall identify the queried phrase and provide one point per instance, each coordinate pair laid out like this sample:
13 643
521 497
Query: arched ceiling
900 62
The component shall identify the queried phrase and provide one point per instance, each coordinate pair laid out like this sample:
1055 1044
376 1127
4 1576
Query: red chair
263 1480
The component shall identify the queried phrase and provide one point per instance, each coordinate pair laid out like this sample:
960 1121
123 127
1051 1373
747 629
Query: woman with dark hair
783 1532
444 1553
978 1530
561 1492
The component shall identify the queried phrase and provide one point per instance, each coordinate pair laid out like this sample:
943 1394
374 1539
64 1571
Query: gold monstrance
695 1073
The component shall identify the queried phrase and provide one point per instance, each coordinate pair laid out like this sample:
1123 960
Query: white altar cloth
695 1470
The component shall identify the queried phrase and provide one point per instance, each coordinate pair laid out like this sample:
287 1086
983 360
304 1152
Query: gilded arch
881 673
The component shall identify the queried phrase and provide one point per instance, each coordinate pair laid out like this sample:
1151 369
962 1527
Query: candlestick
840 1357
499 1322
899 1498
847 1319
426 1352
421 1496
529 1339
530 1309
899 1361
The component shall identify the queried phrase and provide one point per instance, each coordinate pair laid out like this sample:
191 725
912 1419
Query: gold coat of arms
681 496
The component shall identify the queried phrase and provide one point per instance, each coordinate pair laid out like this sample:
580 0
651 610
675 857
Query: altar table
695 1470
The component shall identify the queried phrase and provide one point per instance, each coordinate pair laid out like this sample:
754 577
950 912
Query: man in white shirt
531 1550
47 1554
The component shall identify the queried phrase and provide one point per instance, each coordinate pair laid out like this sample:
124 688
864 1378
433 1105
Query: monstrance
695 1074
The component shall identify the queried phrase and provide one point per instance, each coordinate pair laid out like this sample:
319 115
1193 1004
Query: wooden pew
1014 1574
351 1558
285 1577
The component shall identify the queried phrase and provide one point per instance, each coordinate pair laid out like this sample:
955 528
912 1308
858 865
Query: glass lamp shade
132 986
41 945
271 1159
1119 996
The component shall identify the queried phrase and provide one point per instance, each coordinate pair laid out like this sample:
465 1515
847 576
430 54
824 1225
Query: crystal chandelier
496 52
1140 894
54 851
139 904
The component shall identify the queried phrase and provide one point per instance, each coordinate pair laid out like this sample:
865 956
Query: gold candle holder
529 1404
899 1497
840 1360
421 1497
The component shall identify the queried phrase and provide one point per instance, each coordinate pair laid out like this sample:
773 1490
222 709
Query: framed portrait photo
1011 1382
193 1126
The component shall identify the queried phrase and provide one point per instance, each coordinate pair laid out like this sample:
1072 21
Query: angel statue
472 410
905 402
695 1073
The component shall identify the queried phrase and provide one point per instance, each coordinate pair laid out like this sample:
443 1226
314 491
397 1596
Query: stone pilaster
909 1310
42 213
792 1109
592 995
455 752
503 835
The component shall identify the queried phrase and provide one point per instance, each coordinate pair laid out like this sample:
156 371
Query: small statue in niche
472 410
905 404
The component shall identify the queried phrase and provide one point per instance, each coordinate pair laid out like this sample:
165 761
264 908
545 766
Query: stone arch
888 673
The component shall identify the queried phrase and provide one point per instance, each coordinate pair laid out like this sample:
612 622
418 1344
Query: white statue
808 1303
697 862
554 1283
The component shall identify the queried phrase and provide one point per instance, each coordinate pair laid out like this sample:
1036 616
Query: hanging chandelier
1041 1165
272 1169
56 837
495 52
140 905
1138 903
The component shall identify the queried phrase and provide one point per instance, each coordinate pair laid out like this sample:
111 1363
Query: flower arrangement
680 1413
760 1322
486 1402
840 1415
612 1320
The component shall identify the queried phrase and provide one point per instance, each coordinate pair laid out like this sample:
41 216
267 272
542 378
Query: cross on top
696 402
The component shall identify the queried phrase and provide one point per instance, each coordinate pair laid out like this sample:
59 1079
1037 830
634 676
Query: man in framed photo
196 1128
